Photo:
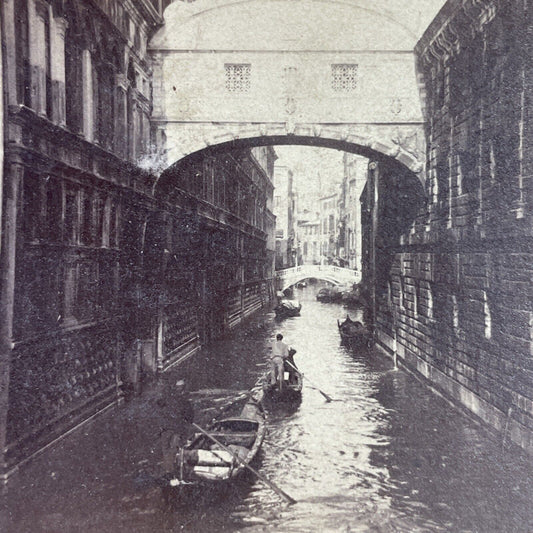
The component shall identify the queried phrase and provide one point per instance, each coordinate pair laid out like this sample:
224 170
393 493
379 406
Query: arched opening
407 164
207 242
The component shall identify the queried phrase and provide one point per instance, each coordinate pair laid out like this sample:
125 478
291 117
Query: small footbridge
334 274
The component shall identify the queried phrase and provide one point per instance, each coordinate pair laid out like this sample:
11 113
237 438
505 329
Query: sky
307 162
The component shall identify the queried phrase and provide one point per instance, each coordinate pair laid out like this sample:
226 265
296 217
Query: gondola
354 333
291 388
328 295
287 308
203 462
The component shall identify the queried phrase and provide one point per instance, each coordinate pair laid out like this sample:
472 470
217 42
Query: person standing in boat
176 416
280 352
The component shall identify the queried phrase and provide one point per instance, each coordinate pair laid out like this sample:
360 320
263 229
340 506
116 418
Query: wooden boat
328 295
292 385
354 333
287 308
203 461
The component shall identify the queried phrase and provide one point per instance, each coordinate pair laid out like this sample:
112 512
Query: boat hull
287 309
291 388
204 462
353 333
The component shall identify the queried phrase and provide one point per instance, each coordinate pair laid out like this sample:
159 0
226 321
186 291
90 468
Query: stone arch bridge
337 275
315 72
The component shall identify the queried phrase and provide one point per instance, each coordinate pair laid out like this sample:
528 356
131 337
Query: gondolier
280 352
176 416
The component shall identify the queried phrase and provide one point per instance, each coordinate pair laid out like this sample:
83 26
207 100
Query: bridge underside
402 142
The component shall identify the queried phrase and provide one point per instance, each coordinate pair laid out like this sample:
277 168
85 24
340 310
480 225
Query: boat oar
265 480
328 398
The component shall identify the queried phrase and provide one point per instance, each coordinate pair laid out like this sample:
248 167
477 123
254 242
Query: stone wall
90 296
455 305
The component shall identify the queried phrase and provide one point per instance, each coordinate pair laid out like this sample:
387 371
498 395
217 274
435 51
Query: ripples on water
386 456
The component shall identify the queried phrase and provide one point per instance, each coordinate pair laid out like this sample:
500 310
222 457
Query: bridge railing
340 275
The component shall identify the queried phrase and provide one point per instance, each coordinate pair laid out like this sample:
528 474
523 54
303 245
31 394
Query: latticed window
238 77
344 77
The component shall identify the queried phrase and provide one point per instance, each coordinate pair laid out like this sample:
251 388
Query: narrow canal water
387 455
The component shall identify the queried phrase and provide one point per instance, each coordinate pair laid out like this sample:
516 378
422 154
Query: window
22 54
54 201
487 316
73 77
48 65
105 105
455 313
32 206
418 297
71 225
238 77
344 77
87 218
99 206
403 299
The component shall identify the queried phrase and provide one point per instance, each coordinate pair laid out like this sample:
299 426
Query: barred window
344 77
238 77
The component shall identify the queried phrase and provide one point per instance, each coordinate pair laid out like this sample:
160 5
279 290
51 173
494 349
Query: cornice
445 34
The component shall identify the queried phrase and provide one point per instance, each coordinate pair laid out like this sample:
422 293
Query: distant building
355 174
309 241
265 156
329 218
284 209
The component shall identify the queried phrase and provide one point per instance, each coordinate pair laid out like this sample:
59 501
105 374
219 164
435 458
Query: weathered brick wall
456 303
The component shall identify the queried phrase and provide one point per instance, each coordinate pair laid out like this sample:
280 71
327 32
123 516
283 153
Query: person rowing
279 353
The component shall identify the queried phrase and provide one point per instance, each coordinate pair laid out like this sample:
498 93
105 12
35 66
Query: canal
387 455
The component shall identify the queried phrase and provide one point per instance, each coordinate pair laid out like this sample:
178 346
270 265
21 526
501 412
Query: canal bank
386 455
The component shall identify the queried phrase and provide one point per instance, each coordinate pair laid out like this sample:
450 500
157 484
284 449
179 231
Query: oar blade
328 398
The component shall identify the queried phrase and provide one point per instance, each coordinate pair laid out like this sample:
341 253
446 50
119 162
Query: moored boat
329 294
354 333
222 456
287 308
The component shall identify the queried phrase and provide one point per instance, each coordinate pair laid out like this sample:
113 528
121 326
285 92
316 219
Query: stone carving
396 106
290 106
408 140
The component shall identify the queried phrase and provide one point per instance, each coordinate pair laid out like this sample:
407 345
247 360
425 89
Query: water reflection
386 455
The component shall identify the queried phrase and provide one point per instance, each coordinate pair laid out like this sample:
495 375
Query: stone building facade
353 183
329 226
308 232
217 249
86 308
453 293
76 115
285 212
